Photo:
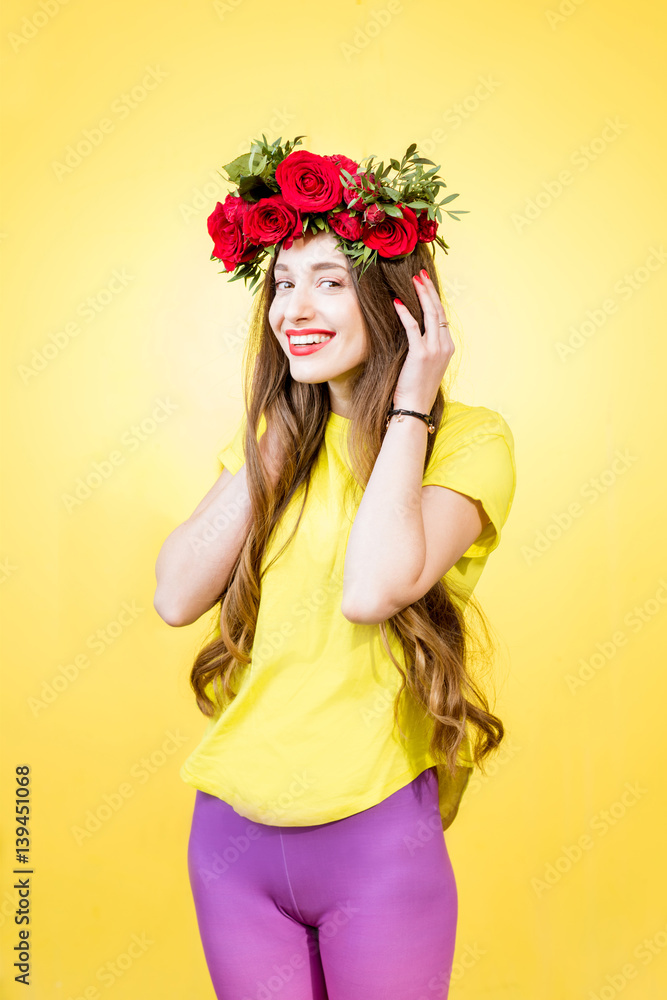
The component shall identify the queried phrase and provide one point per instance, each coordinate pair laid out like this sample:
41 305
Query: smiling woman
309 286
355 511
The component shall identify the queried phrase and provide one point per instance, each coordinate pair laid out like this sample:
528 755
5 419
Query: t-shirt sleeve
474 454
232 456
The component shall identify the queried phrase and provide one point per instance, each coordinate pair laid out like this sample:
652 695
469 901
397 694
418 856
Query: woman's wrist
410 418
418 405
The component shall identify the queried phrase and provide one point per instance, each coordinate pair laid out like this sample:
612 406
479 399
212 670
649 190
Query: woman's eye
325 281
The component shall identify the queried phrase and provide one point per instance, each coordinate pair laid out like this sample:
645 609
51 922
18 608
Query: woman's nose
299 304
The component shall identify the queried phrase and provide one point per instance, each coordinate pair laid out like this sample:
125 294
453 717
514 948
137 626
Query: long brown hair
436 638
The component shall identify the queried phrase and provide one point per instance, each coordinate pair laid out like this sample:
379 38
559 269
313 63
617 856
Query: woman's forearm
386 549
196 559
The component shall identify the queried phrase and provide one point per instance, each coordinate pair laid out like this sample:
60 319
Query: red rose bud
229 242
346 224
393 237
427 228
374 214
353 200
271 220
308 182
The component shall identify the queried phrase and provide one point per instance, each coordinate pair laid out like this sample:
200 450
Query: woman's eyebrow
321 265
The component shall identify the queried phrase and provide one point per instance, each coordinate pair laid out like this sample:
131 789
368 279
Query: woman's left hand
428 354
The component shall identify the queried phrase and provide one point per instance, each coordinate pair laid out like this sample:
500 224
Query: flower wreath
280 194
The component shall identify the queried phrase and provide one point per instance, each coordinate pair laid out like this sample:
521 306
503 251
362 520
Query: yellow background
505 97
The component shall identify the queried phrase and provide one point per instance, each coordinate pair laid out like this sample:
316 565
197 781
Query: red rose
271 220
393 237
309 182
427 228
345 162
346 224
235 208
353 200
229 242
374 214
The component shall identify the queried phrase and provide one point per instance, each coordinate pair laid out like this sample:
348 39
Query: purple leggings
362 908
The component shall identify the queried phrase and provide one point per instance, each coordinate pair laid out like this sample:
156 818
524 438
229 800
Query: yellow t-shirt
309 737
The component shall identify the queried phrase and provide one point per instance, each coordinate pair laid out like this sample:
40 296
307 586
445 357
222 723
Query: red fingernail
399 302
415 277
424 272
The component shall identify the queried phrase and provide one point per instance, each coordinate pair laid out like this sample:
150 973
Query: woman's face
315 299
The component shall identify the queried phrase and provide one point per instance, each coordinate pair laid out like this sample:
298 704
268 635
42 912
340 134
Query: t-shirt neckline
337 421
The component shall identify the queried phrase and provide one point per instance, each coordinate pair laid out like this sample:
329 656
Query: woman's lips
301 349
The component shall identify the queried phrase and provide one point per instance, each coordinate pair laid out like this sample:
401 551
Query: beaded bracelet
428 420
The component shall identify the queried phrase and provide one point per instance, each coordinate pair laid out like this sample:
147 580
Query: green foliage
407 182
255 172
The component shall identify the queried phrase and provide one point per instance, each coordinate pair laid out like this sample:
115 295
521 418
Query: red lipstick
301 349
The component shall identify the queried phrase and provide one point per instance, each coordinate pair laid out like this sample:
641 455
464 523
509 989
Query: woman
342 541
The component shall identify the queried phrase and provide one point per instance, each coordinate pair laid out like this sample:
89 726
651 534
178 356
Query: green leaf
395 164
237 167
393 211
421 159
410 150
459 211
371 260
451 197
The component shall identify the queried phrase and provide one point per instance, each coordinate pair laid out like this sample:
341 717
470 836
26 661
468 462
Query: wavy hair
437 640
